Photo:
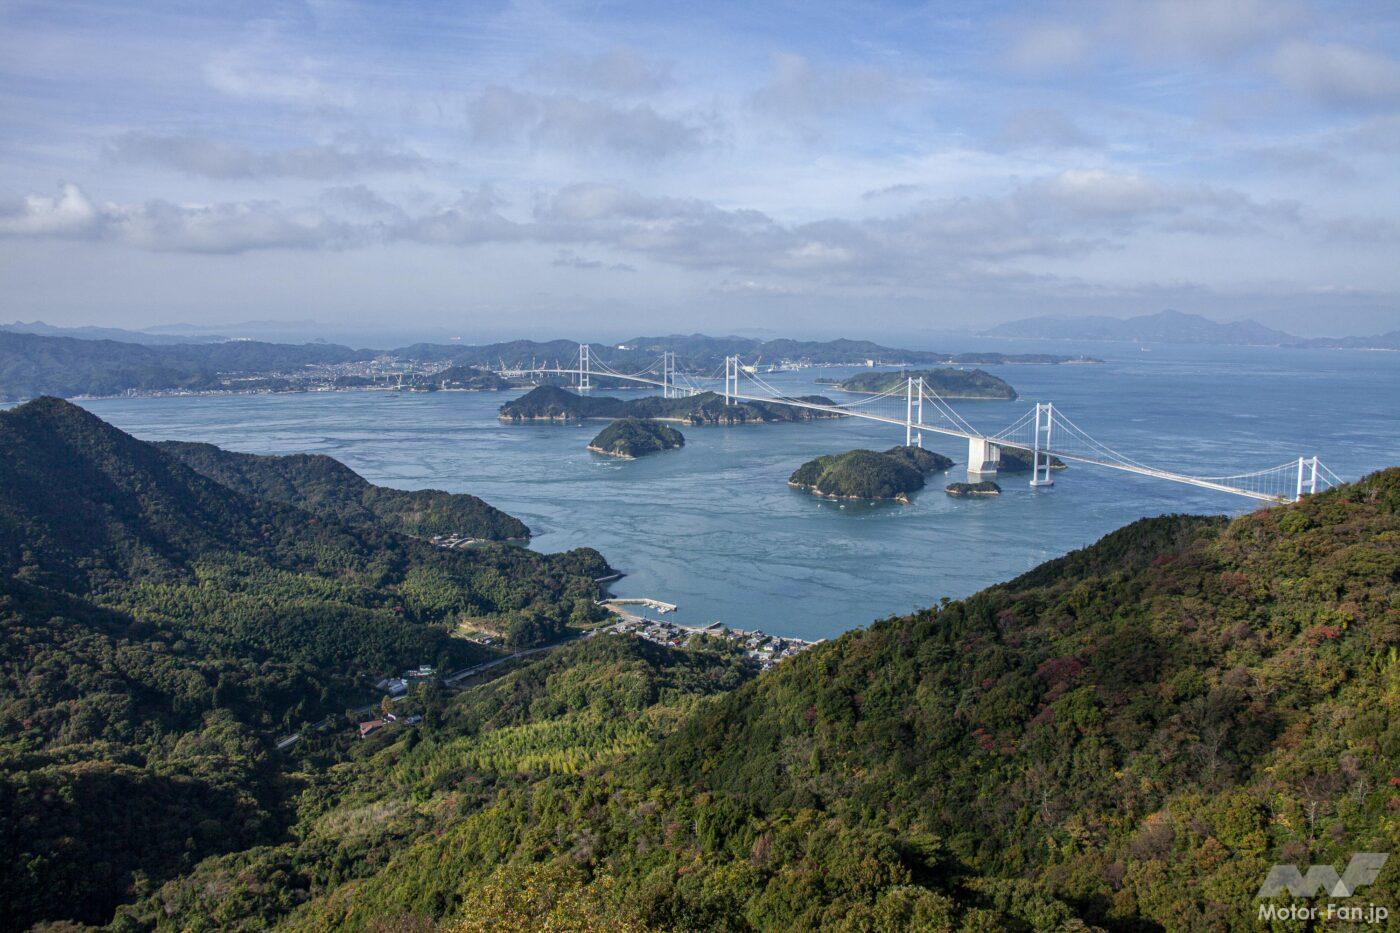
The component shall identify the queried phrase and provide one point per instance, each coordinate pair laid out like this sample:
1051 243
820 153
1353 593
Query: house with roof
370 727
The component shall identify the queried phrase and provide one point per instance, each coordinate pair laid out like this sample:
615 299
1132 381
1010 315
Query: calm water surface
714 528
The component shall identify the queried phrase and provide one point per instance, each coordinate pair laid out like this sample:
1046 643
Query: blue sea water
714 527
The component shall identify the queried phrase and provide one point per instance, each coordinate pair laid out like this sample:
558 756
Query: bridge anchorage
1044 433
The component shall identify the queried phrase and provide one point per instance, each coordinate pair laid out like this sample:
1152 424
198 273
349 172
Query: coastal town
763 648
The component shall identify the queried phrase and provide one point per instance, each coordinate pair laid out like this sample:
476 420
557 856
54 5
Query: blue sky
805 168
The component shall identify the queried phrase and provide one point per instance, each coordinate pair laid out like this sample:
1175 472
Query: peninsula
630 438
949 383
867 474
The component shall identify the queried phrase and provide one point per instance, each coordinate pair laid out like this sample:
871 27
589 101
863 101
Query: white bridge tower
914 411
1044 416
584 361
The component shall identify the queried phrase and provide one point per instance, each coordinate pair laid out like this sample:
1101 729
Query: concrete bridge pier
983 457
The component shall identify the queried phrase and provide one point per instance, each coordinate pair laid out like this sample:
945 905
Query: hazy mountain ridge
33 365
1178 327
88 332
78 362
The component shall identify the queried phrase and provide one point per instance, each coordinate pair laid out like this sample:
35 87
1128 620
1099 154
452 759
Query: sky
806 169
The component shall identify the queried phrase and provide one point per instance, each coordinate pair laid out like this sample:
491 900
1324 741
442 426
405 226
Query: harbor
767 650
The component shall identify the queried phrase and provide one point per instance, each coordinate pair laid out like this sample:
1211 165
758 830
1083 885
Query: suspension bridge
1044 432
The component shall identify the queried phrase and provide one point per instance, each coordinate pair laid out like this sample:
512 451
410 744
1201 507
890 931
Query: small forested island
629 438
949 383
1014 460
972 490
467 378
867 474
553 404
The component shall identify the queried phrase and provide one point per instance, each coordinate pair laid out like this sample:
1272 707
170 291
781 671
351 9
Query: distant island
972 490
467 378
893 474
948 383
629 438
553 404
1178 327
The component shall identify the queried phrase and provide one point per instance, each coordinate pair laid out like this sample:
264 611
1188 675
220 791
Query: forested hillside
33 365
160 629
1124 738
328 487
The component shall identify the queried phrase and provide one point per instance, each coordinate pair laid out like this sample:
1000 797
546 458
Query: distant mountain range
1179 327
151 337
78 365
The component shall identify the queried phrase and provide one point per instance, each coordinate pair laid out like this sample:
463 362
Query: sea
714 528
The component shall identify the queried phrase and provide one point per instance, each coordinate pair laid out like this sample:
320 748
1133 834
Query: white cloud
213 158
264 70
619 71
797 89
593 202
1201 28
1066 215
1043 128
70 214
1096 192
901 190
1049 47
164 227
475 217
1338 74
505 116
227 228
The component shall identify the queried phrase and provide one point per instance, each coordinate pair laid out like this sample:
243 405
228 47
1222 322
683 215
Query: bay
714 528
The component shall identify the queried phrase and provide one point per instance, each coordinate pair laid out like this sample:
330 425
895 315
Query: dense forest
161 628
1124 738
635 437
327 487
869 474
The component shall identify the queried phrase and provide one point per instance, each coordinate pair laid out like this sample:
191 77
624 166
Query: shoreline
902 498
